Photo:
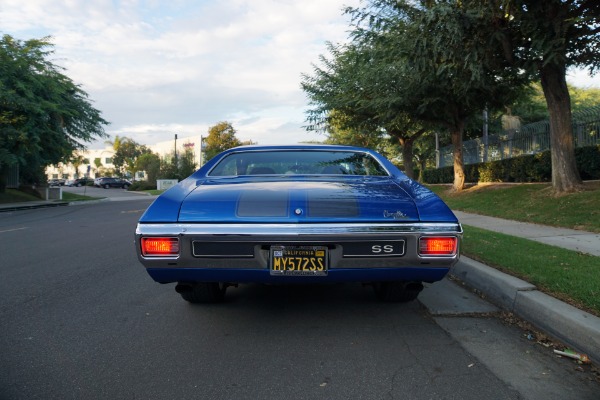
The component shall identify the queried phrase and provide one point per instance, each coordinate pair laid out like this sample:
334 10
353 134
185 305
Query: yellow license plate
299 260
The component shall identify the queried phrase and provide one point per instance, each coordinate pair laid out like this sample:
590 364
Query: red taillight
157 246
437 246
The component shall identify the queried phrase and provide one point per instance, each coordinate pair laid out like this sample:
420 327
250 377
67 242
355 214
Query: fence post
437 150
485 135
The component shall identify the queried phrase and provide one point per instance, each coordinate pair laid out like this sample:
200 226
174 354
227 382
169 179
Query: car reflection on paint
298 214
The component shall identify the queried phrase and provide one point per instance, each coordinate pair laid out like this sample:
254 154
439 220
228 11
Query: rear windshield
305 162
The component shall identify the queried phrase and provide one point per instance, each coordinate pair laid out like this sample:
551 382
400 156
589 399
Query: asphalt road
80 319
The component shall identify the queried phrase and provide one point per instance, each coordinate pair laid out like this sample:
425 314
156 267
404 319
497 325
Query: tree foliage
150 163
220 138
438 64
546 38
44 115
127 154
187 165
412 67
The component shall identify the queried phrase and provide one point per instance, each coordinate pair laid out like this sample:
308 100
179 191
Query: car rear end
301 228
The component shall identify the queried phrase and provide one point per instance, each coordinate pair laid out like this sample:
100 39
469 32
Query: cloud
154 67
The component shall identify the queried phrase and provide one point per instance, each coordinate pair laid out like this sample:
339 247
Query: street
80 319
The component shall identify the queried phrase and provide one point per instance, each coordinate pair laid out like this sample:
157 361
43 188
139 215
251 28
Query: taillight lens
157 246
437 246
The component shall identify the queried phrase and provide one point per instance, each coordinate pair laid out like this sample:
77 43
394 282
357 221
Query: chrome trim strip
333 229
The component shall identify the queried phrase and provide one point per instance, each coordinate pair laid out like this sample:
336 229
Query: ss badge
382 248
379 248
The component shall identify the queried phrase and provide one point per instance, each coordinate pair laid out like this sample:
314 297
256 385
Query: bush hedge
142 185
529 168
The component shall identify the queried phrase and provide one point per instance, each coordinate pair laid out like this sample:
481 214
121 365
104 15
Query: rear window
305 162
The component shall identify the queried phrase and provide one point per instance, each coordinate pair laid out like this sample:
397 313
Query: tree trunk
459 168
407 156
565 177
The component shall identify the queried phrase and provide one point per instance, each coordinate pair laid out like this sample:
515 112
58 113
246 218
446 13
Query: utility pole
201 149
176 164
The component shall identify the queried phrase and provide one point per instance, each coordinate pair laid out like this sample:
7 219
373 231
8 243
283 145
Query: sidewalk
575 328
29 205
585 242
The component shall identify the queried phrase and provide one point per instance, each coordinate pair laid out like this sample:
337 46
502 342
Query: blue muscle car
298 214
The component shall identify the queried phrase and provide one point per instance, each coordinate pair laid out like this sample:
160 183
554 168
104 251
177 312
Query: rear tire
397 292
204 292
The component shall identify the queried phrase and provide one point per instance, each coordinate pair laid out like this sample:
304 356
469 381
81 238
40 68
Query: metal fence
13 177
529 139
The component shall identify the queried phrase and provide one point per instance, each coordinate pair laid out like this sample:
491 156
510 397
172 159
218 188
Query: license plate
299 260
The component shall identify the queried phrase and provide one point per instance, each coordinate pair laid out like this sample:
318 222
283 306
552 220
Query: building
97 163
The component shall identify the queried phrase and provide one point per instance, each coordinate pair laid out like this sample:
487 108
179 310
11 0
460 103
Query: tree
546 38
355 94
44 116
127 153
116 143
77 161
220 138
187 165
149 162
431 66
340 131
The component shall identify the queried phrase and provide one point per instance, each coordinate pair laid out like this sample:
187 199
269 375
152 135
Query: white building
97 163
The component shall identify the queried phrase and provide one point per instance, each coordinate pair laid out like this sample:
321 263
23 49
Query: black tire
205 292
397 292
107 186
79 185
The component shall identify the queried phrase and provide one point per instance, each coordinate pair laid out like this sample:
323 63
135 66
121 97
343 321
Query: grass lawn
15 196
529 203
568 275
68 196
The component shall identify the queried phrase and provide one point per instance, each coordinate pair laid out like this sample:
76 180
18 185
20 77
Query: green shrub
142 185
528 168
588 161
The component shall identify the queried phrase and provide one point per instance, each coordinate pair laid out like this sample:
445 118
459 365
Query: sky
158 68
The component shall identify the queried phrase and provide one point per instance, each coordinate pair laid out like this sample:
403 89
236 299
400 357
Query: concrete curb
32 206
572 326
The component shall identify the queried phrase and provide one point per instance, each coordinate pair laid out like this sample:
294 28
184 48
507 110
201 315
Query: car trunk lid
285 200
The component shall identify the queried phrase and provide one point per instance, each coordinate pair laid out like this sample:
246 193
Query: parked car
97 180
298 214
79 182
107 183
56 182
